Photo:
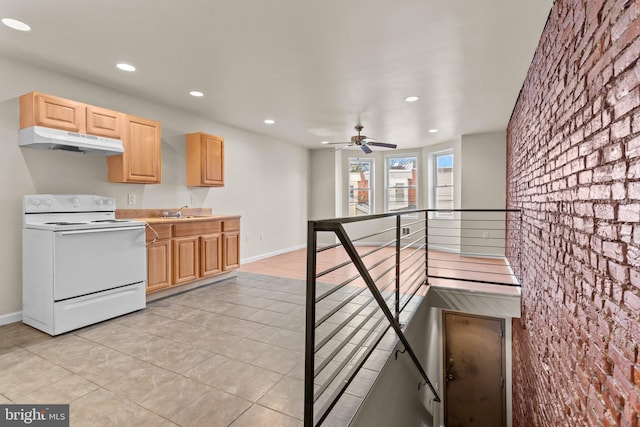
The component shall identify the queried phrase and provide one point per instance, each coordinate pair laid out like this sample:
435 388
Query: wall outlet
193 200
485 234
405 231
261 236
132 199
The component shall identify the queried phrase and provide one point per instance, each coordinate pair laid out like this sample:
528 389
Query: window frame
388 188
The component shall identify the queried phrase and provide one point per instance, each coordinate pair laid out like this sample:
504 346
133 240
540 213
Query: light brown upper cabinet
38 109
205 160
103 122
141 162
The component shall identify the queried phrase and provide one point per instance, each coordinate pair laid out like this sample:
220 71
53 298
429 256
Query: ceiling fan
364 142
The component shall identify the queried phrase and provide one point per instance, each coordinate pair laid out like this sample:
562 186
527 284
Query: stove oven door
90 261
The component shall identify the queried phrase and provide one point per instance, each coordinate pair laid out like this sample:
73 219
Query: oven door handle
101 230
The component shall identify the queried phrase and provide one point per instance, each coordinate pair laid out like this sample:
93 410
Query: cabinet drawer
163 230
231 224
195 228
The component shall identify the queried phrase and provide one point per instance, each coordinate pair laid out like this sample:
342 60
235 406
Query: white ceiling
314 66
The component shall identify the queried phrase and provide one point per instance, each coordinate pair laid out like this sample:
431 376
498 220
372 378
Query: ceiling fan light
412 98
269 121
433 130
324 142
196 93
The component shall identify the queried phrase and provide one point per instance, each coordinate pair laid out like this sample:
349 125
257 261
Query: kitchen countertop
155 216
186 218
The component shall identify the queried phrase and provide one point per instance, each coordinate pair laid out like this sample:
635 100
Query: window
443 182
402 183
360 187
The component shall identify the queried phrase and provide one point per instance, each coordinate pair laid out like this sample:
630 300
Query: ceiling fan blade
366 149
382 144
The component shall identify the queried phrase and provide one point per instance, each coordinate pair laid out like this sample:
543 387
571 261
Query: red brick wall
573 165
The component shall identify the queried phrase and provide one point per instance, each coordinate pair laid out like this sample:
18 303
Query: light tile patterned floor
227 354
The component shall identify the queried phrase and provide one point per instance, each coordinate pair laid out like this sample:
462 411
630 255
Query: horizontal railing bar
469 245
337 288
337 394
332 269
417 273
345 322
407 236
344 264
474 280
387 230
344 343
326 248
341 326
471 271
337 308
432 227
346 360
454 261
416 250
407 268
415 291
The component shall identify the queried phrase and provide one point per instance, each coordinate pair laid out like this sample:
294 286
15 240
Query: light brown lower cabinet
185 259
230 244
210 254
158 265
159 259
186 251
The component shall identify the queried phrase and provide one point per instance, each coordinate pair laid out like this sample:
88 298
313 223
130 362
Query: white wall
266 180
483 186
484 173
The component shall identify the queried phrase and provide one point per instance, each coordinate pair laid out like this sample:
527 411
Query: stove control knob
108 202
35 202
99 202
75 200
47 202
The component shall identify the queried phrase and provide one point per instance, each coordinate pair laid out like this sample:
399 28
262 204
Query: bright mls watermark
34 415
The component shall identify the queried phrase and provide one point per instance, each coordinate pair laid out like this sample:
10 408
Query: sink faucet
176 214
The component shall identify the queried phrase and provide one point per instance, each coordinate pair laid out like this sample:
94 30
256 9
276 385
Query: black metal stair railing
366 286
363 317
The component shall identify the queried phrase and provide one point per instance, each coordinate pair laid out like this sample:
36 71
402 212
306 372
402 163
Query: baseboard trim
270 254
5 319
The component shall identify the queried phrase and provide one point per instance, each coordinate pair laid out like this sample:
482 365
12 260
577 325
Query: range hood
56 139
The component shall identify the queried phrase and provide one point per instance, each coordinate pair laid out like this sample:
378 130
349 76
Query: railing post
426 247
398 236
309 367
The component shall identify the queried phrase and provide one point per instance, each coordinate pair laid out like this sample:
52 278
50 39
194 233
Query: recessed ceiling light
324 142
126 67
412 98
15 24
269 121
196 93
433 130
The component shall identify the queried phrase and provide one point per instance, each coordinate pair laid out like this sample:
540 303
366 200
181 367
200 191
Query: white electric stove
81 265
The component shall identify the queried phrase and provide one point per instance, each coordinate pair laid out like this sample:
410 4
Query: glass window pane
444 172
402 183
360 200
359 204
444 198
